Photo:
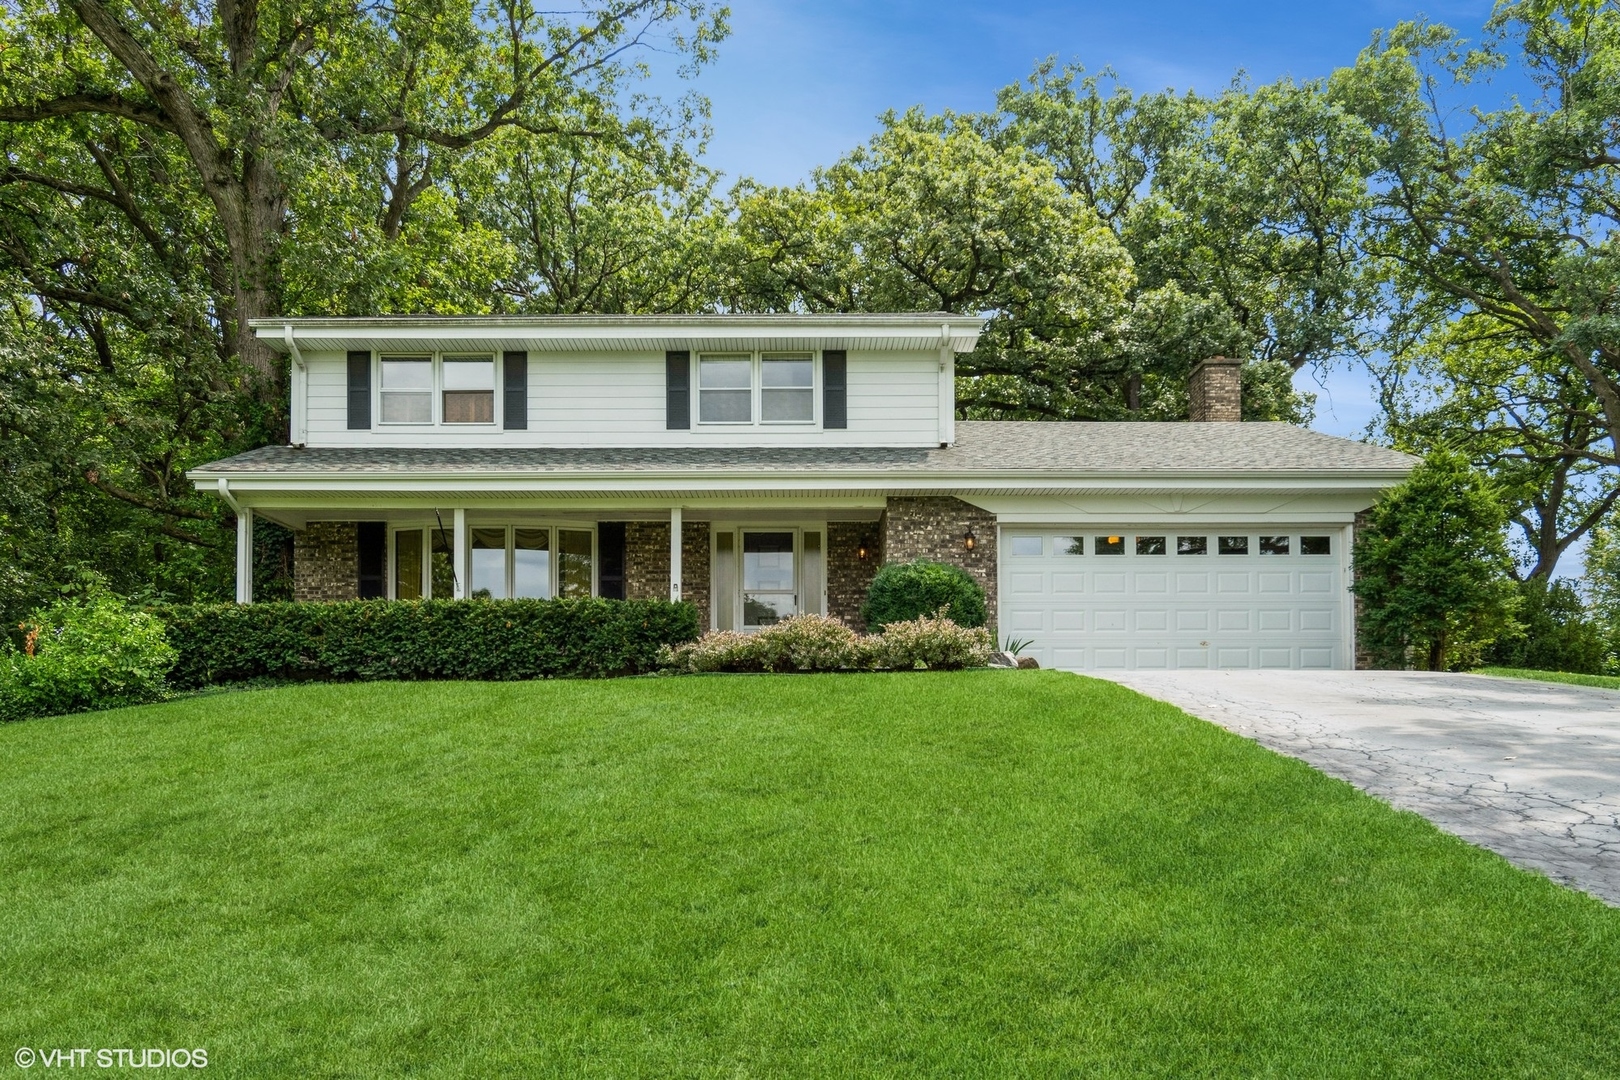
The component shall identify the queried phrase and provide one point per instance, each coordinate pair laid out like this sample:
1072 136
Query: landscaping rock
1028 662
1003 659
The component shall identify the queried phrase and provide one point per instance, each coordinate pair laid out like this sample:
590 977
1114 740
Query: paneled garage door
1175 598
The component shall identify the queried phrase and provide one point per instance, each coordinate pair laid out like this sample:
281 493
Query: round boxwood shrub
904 591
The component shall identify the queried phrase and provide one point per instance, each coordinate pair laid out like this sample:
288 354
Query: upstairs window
426 390
726 390
787 389
407 390
469 390
754 388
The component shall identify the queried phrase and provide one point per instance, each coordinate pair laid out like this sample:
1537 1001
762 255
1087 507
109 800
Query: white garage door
1175 598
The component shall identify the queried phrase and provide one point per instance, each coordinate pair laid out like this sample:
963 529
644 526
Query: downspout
300 378
947 387
230 500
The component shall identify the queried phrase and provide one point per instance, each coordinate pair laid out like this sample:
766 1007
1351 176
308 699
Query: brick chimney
1215 390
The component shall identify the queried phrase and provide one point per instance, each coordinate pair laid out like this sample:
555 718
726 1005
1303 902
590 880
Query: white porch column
244 556
460 547
675 554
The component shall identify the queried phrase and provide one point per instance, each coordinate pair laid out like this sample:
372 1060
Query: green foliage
423 639
903 591
818 643
1554 632
1432 568
77 655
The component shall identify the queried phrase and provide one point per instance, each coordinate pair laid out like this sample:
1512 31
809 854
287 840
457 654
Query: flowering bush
937 644
819 643
87 654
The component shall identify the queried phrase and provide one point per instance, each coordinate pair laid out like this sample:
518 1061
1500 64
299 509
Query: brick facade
646 563
1215 390
326 561
932 527
849 575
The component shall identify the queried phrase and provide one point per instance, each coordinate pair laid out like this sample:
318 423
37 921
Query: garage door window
1109 545
1192 545
1234 545
1150 545
1026 546
1315 545
1274 545
1070 545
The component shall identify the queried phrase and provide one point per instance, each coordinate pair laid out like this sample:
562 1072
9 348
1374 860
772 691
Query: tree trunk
1437 654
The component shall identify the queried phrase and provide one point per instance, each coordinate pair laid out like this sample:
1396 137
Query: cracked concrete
1529 770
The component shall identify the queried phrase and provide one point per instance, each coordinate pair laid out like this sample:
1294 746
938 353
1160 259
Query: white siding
617 399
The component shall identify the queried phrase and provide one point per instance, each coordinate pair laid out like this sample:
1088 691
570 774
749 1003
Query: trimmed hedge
901 592
422 639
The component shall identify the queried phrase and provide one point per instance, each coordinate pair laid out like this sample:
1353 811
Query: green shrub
86 654
423 639
1555 632
818 643
904 591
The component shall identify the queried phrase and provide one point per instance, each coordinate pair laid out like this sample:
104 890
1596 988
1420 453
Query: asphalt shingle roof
981 446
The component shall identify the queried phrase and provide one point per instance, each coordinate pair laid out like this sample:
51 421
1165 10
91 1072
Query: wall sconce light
860 551
863 550
968 540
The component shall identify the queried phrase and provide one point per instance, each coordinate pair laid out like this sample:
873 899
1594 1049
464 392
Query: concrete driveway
1530 770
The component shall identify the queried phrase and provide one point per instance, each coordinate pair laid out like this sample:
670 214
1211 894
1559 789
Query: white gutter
225 493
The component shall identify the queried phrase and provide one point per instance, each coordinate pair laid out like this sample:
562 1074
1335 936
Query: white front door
1176 597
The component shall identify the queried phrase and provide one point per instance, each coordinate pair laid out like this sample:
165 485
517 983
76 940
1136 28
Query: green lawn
1607 682
981 874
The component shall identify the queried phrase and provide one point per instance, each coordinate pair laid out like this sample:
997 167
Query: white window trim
802 585
756 396
436 358
465 558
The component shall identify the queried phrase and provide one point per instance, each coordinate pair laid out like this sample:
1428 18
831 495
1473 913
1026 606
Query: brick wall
932 527
848 575
326 562
646 563
1215 390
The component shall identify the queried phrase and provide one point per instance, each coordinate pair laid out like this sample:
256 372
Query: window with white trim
406 389
756 388
427 390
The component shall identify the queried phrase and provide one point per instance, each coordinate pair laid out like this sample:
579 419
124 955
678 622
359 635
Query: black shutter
359 391
610 560
515 377
834 389
372 537
677 390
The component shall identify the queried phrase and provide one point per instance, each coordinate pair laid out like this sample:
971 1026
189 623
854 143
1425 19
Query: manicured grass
1607 682
974 874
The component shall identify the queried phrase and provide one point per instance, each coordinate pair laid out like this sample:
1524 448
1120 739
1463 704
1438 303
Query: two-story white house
762 465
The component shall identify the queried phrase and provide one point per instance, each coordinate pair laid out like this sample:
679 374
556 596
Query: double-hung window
462 385
407 389
726 390
469 389
756 388
787 389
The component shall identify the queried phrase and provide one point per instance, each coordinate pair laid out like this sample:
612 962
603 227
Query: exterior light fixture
860 551
968 540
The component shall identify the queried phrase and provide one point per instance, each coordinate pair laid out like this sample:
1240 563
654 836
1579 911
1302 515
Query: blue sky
799 83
